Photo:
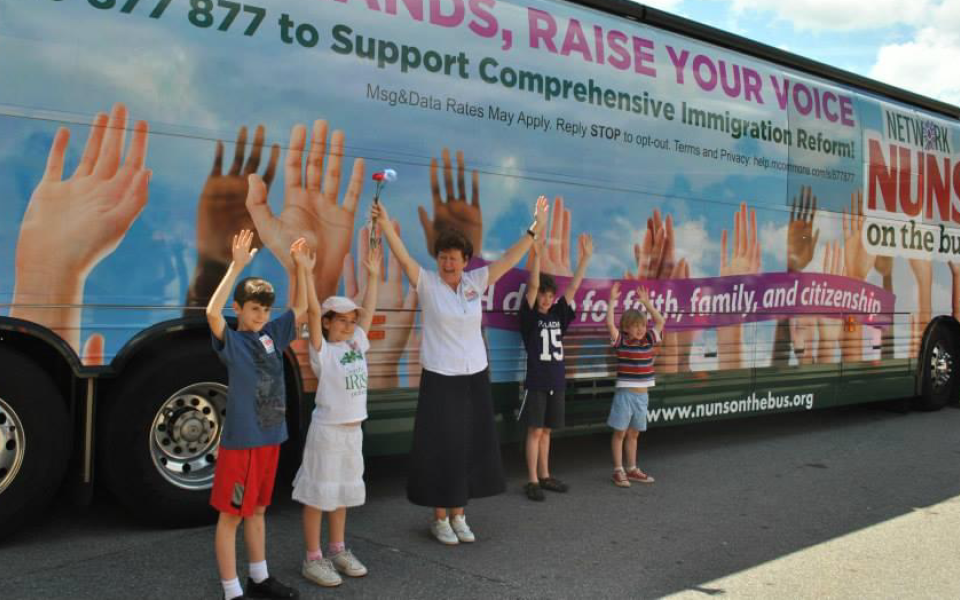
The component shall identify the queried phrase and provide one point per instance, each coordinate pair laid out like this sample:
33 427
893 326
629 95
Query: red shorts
243 479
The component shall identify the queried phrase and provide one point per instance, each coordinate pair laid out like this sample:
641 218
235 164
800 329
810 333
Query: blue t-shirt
543 339
256 395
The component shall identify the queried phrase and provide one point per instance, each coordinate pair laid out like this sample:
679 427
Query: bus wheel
35 440
162 434
938 365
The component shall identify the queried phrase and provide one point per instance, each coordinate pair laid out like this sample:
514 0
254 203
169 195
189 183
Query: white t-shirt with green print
341 368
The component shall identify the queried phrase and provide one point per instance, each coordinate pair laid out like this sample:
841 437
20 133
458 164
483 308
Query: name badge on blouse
267 343
470 294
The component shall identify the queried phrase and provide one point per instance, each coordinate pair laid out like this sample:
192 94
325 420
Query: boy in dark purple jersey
542 325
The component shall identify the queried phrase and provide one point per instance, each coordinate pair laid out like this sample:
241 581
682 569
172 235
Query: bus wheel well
938 370
46 357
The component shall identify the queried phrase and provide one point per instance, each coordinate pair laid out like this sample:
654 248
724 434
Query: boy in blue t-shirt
542 325
255 421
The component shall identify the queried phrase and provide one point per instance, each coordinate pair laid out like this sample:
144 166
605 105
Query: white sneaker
444 533
462 530
348 564
321 572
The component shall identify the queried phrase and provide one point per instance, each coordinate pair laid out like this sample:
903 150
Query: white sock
231 588
258 571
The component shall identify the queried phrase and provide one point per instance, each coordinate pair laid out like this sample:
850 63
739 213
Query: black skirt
456 450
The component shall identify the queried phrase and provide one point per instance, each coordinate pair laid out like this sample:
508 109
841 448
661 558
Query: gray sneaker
444 533
461 529
321 572
347 563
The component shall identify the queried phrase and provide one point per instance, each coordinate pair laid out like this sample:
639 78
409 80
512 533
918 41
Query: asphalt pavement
860 502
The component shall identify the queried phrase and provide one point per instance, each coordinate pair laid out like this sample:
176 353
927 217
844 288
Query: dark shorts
243 479
543 408
456 449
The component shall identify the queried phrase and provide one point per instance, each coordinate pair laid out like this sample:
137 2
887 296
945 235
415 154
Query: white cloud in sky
927 64
923 62
848 15
671 5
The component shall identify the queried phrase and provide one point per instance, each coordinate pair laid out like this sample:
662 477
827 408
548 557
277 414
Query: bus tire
938 369
161 434
35 440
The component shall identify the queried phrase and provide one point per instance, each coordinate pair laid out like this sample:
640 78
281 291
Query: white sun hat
340 305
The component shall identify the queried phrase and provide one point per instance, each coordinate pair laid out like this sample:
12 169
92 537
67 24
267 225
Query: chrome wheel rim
941 367
185 435
13 444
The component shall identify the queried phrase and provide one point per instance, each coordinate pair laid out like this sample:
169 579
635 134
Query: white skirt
331 474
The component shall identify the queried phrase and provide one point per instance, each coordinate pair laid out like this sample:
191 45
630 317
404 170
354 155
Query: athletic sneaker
462 530
620 479
639 476
346 563
443 532
321 572
270 588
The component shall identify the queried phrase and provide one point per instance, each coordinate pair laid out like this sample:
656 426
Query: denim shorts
629 409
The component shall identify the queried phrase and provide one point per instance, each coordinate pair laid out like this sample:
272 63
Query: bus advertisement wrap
754 202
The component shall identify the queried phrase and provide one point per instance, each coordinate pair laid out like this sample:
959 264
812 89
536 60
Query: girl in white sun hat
330 478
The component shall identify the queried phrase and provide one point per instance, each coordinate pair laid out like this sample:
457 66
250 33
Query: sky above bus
914 45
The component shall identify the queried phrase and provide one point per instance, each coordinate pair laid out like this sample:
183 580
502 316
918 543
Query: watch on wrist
532 230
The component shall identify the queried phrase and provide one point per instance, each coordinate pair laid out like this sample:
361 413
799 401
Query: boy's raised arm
514 253
373 265
298 299
411 267
611 302
533 279
242 255
658 321
305 262
586 251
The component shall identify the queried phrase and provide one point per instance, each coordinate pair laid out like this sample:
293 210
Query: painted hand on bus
92 355
884 266
310 205
801 238
222 209
396 312
456 212
830 329
858 261
744 259
89 213
85 216
655 257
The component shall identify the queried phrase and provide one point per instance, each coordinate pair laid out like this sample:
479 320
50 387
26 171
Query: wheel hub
12 445
941 367
185 435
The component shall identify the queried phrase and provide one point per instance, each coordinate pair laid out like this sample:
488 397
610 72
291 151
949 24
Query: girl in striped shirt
634 344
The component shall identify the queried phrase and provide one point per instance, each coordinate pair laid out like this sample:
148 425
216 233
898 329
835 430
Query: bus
795 223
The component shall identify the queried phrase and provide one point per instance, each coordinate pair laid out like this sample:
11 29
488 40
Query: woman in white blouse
456 451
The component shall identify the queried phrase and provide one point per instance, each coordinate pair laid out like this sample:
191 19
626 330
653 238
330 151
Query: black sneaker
553 484
270 588
534 492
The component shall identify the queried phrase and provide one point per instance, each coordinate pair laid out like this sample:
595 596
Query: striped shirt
635 360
